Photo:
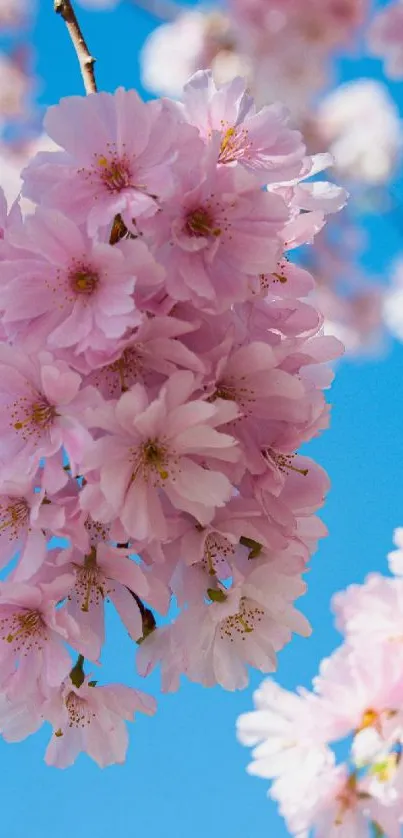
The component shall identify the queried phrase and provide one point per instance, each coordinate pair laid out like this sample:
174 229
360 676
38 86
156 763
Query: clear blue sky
185 774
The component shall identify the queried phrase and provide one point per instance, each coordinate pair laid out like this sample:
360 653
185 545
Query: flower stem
86 60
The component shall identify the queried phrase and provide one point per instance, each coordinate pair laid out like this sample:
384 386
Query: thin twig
86 60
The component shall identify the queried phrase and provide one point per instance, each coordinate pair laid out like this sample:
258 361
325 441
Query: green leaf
77 675
216 595
255 548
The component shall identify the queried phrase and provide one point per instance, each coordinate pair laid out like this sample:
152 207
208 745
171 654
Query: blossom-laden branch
86 60
169 334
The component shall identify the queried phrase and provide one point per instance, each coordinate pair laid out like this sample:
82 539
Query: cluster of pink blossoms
159 369
357 695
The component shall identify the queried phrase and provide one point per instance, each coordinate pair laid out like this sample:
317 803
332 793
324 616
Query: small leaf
255 548
216 595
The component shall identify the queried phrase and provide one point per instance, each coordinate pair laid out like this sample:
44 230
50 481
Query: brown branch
86 60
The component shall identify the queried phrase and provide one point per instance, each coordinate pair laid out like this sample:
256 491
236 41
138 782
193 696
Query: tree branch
86 60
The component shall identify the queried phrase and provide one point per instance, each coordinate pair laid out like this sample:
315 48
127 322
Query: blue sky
185 773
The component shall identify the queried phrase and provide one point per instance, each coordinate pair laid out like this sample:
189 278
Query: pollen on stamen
113 169
32 417
90 587
83 279
239 625
200 223
79 711
25 631
217 549
284 462
14 516
234 144
154 462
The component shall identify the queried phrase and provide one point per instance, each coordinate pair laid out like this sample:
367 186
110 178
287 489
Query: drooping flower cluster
160 367
358 695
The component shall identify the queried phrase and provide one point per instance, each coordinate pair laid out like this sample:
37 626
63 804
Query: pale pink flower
153 447
107 168
386 38
154 349
41 409
262 142
250 376
245 625
104 573
26 521
289 744
216 235
335 811
372 612
91 719
63 291
33 633
360 690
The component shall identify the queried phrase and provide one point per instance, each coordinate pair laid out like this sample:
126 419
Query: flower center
242 623
83 280
78 710
32 417
234 144
200 223
14 516
125 370
152 459
96 531
90 584
217 548
43 413
115 172
283 462
26 630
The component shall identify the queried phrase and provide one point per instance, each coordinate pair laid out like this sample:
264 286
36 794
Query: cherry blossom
358 693
92 719
162 361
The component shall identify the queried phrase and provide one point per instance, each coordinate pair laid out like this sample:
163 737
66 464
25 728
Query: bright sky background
185 774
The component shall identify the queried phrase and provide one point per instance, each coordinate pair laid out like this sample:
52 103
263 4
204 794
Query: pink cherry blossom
33 633
103 573
247 625
25 519
118 171
151 446
261 142
216 235
41 408
162 361
92 719
64 291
